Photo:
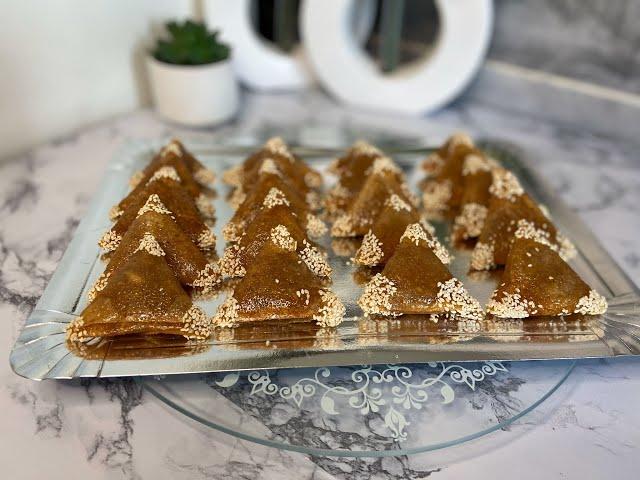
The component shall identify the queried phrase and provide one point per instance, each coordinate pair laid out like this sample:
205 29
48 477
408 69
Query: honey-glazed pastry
442 192
273 212
137 347
538 282
279 285
356 159
271 185
353 179
267 167
174 170
143 296
381 241
369 202
415 281
434 163
298 172
173 149
185 259
476 180
507 206
167 196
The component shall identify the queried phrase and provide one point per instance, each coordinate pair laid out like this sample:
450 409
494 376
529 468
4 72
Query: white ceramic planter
195 95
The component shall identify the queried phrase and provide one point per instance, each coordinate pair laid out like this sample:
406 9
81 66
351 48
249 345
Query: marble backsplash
595 41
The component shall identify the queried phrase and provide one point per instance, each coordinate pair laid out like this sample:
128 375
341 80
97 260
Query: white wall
66 63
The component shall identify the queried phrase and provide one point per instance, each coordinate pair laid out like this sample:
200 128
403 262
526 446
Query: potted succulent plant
191 78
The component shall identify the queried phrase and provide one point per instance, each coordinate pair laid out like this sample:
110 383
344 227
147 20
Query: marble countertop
590 428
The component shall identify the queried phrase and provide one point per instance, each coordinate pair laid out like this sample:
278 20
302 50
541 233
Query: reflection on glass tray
41 350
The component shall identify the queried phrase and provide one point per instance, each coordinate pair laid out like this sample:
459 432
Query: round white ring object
346 71
258 65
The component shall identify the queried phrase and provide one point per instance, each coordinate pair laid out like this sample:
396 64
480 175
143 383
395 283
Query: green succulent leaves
190 43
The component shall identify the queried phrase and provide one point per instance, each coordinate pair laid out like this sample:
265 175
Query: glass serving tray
41 352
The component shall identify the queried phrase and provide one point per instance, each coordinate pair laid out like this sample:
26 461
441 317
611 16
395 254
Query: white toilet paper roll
346 71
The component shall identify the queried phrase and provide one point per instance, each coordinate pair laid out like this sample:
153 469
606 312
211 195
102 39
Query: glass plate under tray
365 411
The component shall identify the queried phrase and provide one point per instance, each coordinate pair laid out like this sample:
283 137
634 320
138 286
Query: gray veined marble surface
110 429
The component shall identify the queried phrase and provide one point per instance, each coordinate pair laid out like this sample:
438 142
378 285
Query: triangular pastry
167 196
183 257
415 281
173 149
443 192
354 177
357 158
173 169
434 163
369 202
379 244
476 180
269 166
238 255
143 296
279 285
272 187
509 204
538 282
298 172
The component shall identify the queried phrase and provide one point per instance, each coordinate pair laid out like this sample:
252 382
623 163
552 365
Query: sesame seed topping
232 231
453 298
171 147
115 212
230 265
528 230
566 249
227 314
208 278
269 166
149 244
164 172
233 175
370 252
436 195
204 176
331 311
98 286
278 146
592 304
109 241
505 185
512 305
274 198
205 207
395 202
469 223
206 240
361 147
197 325
459 138
136 178
315 261
315 227
414 233
154 204
482 256
313 179
376 298
433 163
343 226
383 165
474 163
281 237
